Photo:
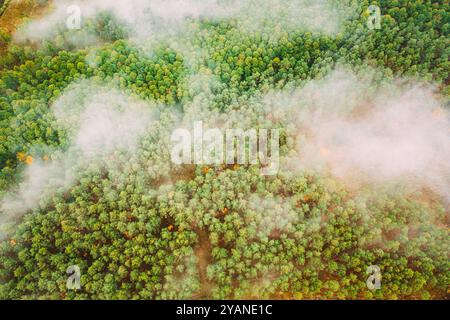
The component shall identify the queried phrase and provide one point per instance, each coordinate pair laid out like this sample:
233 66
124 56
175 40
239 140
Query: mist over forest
91 93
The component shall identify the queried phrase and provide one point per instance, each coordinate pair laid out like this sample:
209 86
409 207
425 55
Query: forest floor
18 10
203 253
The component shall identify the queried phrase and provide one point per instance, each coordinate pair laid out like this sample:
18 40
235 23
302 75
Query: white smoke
150 19
107 121
348 127
272 215
104 122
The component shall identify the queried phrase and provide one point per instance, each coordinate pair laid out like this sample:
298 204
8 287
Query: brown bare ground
18 10
203 253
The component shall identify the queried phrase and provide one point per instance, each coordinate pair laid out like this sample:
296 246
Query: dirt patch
204 258
18 10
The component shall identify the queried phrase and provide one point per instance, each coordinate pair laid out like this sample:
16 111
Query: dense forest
104 194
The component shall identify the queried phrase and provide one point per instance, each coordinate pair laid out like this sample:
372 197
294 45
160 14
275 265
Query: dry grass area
18 10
